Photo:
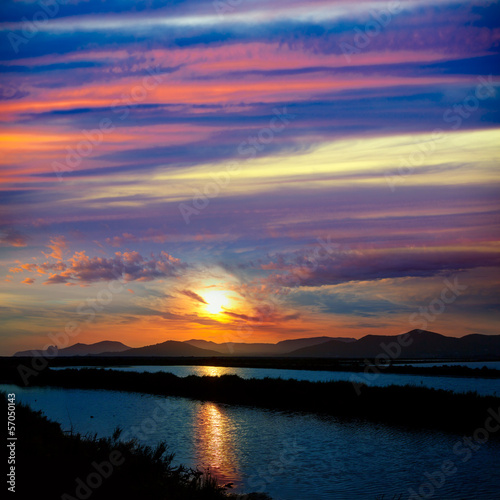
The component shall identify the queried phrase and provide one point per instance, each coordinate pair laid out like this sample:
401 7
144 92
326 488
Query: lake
457 384
495 365
292 456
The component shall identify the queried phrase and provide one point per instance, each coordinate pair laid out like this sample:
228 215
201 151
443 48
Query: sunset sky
248 170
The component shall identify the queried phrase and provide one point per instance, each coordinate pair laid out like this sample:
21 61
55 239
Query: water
457 384
495 365
292 456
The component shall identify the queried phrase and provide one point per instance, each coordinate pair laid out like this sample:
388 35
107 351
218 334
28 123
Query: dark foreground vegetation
51 464
408 406
316 364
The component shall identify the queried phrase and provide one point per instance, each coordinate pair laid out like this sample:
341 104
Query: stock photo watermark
390 351
89 308
449 293
93 138
11 442
95 479
464 449
223 7
393 350
323 248
249 148
454 115
99 472
363 37
31 27
267 474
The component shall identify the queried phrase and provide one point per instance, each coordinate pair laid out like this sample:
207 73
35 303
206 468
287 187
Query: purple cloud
346 266
130 266
193 295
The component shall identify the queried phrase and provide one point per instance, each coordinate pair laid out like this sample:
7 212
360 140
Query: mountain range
281 348
79 349
420 344
417 344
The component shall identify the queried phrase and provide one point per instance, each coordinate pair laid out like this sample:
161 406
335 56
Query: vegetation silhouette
407 406
315 364
53 464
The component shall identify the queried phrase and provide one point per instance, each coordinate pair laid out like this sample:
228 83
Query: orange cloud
58 246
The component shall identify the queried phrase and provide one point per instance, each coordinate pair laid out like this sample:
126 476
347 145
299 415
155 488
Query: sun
216 301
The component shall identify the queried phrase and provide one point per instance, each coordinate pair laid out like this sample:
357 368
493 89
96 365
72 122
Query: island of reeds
406 406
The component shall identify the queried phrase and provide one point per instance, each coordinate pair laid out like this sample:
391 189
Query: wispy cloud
193 295
188 92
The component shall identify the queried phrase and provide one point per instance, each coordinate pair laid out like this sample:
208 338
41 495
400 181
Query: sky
247 170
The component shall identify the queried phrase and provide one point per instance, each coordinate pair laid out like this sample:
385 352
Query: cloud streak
186 103
194 296
126 266
370 265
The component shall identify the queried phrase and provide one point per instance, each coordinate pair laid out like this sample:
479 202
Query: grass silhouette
52 464
407 406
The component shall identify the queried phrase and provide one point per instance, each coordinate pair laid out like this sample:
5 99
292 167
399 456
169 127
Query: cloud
39 268
264 314
58 246
193 295
347 266
55 279
28 281
152 235
118 241
129 266
358 118
11 238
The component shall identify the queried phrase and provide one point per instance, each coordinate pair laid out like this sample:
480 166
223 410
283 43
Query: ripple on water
290 455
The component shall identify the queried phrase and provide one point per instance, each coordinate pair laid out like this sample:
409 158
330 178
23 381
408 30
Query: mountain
234 348
168 348
292 345
262 349
420 344
484 345
79 349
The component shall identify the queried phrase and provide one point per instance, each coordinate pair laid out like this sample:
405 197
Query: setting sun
216 301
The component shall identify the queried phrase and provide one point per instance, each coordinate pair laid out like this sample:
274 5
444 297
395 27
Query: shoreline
392 405
279 363
103 468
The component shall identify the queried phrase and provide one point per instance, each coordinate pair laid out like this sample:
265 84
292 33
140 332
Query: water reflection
215 442
484 387
343 460
211 371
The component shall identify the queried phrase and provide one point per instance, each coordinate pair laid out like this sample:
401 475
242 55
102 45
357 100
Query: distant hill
79 349
236 349
291 345
168 348
262 349
425 345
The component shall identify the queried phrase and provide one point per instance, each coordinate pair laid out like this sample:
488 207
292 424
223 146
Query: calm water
471 364
457 384
292 456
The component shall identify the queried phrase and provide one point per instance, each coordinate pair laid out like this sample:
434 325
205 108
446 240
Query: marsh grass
49 462
406 406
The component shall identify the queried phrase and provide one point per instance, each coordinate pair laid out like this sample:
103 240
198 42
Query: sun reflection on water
215 442
211 371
